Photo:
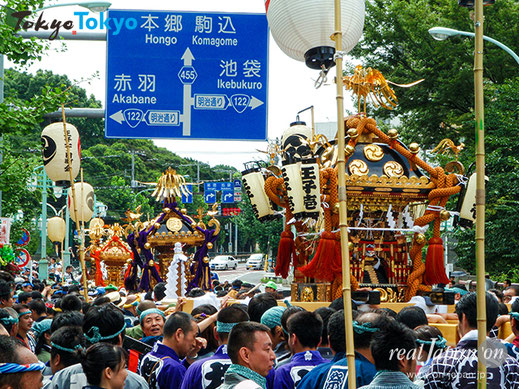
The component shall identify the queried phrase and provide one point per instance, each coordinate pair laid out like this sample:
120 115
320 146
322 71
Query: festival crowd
51 337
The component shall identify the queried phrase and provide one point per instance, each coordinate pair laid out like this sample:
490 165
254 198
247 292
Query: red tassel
99 274
286 251
434 268
321 266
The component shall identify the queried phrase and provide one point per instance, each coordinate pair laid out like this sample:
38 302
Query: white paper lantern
254 185
55 152
56 229
294 142
302 28
84 202
294 186
311 188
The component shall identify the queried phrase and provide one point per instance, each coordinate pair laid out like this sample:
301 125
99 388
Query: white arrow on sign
185 118
254 102
210 195
227 195
118 116
188 57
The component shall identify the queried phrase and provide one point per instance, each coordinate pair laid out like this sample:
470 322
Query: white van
255 262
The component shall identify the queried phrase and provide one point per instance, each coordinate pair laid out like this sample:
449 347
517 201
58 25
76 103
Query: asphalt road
252 276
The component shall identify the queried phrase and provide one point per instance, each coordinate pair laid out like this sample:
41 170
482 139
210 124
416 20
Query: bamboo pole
343 216
78 227
480 190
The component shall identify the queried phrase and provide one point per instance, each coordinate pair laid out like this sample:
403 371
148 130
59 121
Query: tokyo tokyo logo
84 22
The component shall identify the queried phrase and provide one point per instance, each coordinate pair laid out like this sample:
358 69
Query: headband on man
224 328
150 311
69 350
96 335
364 327
441 342
12 368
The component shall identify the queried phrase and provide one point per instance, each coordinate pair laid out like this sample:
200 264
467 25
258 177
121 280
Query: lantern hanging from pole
84 202
295 142
54 152
56 229
254 185
302 29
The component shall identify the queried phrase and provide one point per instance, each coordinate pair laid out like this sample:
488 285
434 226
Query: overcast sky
290 82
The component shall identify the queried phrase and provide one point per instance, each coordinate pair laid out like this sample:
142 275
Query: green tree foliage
396 42
502 163
266 234
17 49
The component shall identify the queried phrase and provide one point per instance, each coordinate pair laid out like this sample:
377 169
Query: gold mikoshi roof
377 176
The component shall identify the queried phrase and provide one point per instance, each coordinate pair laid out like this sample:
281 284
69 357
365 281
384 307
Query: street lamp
442 33
94 6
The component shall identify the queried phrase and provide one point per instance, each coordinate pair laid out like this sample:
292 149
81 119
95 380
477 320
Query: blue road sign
189 198
217 186
237 183
186 75
210 196
227 196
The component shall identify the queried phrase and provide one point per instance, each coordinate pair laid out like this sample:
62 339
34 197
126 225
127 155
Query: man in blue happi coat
304 335
162 368
208 373
335 373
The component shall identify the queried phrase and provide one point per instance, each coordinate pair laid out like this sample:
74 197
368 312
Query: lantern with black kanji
254 185
54 152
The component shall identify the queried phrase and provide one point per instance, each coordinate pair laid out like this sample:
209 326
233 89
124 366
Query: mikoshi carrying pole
343 221
480 190
78 226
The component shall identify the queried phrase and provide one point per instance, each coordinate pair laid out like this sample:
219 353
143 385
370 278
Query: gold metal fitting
445 215
147 246
420 239
183 211
156 226
353 133
193 225
393 133
351 247
166 210
209 245
206 259
414 148
151 263
349 149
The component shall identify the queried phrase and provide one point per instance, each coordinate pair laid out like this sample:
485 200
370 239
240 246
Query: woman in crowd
41 331
104 366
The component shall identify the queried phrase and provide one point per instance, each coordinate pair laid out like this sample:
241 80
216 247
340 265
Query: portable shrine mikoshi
109 256
153 243
392 197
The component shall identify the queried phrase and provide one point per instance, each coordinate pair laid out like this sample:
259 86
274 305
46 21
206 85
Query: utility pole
133 171
1 137
235 238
